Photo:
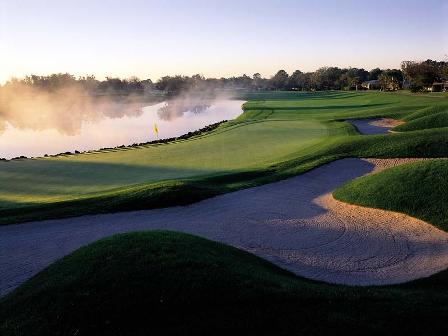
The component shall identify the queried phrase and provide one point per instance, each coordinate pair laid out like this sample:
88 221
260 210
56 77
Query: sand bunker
386 122
375 126
382 164
294 223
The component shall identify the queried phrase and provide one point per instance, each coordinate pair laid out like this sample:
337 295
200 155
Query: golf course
228 167
278 135
299 216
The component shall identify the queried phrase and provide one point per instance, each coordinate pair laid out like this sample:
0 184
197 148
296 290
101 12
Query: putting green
240 147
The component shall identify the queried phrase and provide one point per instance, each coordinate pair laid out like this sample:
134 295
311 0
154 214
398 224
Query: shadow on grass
99 175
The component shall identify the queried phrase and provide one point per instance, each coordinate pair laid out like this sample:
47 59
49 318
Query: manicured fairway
280 134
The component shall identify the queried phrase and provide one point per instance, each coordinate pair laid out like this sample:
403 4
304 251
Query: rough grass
418 189
278 135
171 283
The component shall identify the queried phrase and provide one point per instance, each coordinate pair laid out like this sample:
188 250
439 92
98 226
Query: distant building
371 84
439 87
406 84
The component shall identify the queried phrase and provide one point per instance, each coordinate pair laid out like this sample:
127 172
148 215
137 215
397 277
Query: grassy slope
164 282
435 120
418 189
279 134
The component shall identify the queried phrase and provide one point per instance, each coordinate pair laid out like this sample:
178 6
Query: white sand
294 223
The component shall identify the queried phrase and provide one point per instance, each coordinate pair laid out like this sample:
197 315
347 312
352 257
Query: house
371 84
439 86
406 84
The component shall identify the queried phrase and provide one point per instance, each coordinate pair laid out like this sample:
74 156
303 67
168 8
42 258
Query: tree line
421 75
417 76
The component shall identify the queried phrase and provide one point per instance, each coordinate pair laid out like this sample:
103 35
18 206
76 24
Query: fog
176 108
67 109
64 109
36 122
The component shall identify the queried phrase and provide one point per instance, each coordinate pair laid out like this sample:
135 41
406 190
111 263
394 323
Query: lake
133 124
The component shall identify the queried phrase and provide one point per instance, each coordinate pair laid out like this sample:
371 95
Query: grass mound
436 120
140 283
426 111
418 189
165 282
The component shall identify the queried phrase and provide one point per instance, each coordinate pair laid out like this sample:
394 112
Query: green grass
280 134
424 112
171 283
418 189
435 120
166 282
235 148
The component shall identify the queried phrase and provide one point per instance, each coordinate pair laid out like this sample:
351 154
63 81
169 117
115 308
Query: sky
152 38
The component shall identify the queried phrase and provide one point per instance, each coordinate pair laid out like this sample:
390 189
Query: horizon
216 39
268 76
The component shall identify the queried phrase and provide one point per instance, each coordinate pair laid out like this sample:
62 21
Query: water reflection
176 108
112 125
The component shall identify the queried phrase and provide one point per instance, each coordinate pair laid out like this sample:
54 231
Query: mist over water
172 110
36 125
64 109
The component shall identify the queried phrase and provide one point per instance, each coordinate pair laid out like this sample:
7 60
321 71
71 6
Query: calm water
172 119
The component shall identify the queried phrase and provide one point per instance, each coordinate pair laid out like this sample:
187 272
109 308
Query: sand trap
375 126
386 122
382 164
294 223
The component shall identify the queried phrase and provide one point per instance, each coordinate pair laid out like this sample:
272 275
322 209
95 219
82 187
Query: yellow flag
156 130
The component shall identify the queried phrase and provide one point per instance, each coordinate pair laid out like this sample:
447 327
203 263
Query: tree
148 85
256 81
388 82
319 79
297 80
133 84
172 84
244 81
327 78
374 73
395 73
52 82
88 83
280 80
420 74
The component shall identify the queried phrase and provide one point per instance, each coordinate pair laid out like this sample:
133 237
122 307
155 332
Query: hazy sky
215 37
